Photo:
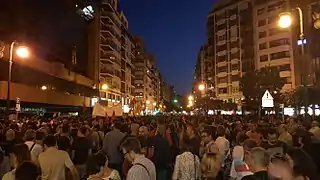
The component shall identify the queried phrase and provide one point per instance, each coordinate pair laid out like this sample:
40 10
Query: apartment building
274 46
111 53
146 79
230 46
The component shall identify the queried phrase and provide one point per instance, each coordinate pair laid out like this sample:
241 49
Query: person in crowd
142 168
143 136
104 172
53 162
161 152
239 168
63 138
254 134
314 127
111 145
97 137
81 149
273 145
194 140
187 165
206 142
34 148
19 154
223 144
10 142
293 125
27 171
284 135
302 165
210 167
258 162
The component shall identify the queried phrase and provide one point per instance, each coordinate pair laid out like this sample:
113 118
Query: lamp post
21 52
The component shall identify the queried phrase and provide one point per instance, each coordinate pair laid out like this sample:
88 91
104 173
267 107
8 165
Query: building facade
230 47
111 53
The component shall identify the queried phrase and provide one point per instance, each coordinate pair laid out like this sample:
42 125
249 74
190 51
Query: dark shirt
7 146
261 175
162 151
276 148
64 143
195 142
81 146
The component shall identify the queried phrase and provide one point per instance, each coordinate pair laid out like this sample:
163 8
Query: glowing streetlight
285 20
154 104
22 52
44 88
104 86
201 87
147 102
190 98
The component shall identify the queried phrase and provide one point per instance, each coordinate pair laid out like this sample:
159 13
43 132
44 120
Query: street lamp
201 87
44 87
154 104
104 86
190 98
147 102
22 52
285 20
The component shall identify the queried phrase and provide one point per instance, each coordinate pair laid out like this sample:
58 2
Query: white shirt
187 167
53 163
9 175
36 150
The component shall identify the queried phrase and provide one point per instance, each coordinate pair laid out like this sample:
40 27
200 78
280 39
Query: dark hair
131 144
303 165
249 144
186 146
221 131
95 162
40 135
22 153
117 125
65 128
83 130
27 171
50 141
29 135
207 131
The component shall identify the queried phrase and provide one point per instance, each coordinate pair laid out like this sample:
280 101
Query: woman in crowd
20 154
210 167
27 171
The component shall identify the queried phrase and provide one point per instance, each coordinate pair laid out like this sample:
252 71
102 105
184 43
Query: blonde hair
210 165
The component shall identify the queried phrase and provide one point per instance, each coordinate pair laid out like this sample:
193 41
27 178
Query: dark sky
174 30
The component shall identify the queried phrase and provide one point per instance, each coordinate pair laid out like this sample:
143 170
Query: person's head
29 135
302 165
27 171
210 165
65 129
117 125
242 137
96 162
131 148
258 159
134 128
20 154
82 131
206 136
40 135
143 131
10 135
212 148
282 129
272 136
186 146
190 131
49 141
315 124
221 131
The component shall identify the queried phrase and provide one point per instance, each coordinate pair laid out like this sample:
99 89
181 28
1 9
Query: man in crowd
53 162
142 168
206 141
258 161
273 145
34 148
284 135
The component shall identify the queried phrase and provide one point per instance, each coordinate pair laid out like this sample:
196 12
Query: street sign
18 107
267 100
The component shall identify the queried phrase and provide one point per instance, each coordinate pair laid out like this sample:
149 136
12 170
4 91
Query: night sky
173 30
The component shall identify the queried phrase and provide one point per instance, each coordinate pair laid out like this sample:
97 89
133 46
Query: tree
253 84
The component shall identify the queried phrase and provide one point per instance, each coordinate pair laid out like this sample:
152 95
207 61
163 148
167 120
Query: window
222 47
279 42
263 58
221 58
262 34
223 90
222 38
263 46
222 69
234 44
235 55
223 79
262 22
275 31
235 77
279 55
235 66
285 67
260 11
234 32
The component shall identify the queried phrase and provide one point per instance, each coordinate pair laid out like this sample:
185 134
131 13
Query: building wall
230 43
273 47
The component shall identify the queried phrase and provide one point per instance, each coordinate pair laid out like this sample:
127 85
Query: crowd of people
160 148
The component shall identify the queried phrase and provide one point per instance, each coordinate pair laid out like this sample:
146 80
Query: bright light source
190 98
154 104
175 101
201 87
104 86
285 20
22 52
147 102
44 88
